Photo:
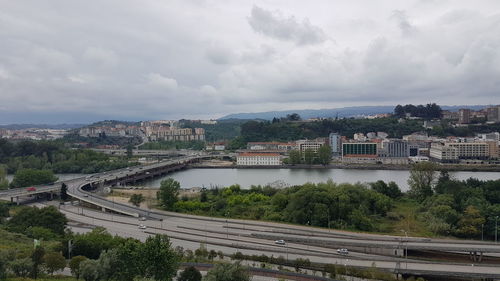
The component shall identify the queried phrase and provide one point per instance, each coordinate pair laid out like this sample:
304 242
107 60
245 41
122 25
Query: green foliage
168 193
27 177
28 217
421 180
295 157
223 130
40 233
136 199
324 154
64 192
55 156
429 111
160 261
190 274
54 261
228 272
391 190
91 244
4 183
89 270
21 267
37 259
74 265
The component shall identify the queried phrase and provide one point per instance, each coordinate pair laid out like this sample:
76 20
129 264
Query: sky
81 61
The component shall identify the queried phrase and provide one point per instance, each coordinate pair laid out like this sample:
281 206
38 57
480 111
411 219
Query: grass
405 211
44 278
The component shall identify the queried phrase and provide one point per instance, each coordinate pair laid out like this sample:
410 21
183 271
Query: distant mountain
343 112
42 126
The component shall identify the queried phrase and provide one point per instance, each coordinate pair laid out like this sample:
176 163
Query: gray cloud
274 25
203 58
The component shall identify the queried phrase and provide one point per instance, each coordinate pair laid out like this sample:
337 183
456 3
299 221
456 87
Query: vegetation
428 111
190 274
27 177
228 272
54 156
323 156
223 130
352 206
27 218
136 199
168 193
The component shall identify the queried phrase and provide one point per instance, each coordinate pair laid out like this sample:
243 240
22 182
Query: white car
280 242
343 251
142 226
142 218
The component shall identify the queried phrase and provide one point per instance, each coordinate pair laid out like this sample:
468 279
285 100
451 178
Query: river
247 177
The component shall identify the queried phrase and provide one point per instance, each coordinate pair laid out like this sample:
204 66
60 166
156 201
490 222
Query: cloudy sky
78 61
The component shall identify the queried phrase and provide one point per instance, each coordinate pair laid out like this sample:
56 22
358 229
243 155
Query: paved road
221 236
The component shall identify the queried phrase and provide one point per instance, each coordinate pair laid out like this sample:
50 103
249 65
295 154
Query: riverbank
447 167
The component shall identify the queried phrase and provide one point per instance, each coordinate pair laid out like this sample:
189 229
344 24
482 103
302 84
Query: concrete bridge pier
476 257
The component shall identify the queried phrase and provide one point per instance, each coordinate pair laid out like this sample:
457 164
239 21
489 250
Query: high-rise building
335 141
464 116
493 114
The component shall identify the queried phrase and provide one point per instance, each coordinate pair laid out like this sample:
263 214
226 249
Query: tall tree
37 259
4 183
295 157
168 193
309 156
421 180
228 272
54 261
64 192
190 274
159 260
325 154
74 265
27 177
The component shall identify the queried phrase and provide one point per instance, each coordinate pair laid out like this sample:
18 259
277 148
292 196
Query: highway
256 237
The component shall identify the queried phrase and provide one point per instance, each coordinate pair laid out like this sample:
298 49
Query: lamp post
406 248
482 232
496 229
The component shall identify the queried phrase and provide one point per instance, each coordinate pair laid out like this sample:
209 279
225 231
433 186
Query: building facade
335 141
258 159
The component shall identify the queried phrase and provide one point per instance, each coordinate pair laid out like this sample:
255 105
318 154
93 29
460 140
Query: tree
47 217
129 265
228 272
4 183
325 154
392 189
309 156
190 274
37 259
169 191
54 261
89 270
130 151
421 180
295 157
21 267
64 192
136 199
293 117
27 177
74 265
470 224
160 261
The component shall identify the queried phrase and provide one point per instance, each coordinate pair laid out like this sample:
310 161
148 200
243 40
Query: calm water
247 177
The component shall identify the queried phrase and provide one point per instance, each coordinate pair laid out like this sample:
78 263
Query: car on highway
142 226
280 242
142 218
85 195
343 251
31 188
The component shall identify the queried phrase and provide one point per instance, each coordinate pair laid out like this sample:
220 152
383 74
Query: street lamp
496 229
406 247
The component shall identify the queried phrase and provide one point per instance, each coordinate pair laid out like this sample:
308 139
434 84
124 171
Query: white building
314 145
443 153
258 159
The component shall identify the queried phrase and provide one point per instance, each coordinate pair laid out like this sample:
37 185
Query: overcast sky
78 61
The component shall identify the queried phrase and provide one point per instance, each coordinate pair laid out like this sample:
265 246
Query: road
255 237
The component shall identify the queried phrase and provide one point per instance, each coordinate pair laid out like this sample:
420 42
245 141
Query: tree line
428 111
55 156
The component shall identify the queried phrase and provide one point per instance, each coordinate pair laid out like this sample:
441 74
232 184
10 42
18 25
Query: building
282 146
443 153
493 114
471 150
464 116
359 150
314 145
258 159
394 148
335 142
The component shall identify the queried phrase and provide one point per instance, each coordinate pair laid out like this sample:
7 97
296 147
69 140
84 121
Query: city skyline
70 62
